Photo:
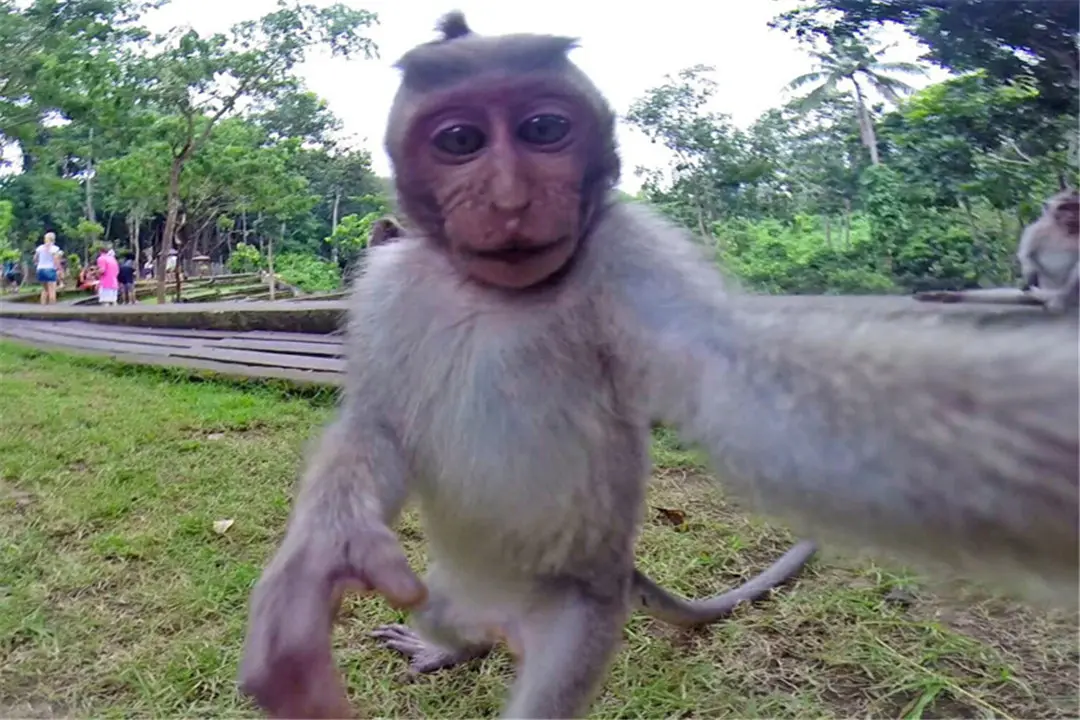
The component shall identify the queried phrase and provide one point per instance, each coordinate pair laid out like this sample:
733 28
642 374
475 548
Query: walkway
306 358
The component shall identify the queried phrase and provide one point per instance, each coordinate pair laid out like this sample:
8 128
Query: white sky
625 52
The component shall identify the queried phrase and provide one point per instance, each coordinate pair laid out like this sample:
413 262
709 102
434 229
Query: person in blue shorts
46 258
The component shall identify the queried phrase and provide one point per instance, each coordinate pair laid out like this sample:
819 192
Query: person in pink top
108 277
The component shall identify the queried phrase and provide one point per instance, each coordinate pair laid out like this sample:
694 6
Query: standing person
127 280
47 261
108 277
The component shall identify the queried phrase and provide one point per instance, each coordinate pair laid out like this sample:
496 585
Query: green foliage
245 258
307 272
74 267
801 258
7 222
351 237
89 232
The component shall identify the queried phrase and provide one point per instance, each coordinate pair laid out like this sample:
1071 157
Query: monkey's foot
424 656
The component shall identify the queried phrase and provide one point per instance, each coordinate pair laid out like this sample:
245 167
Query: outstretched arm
338 538
954 446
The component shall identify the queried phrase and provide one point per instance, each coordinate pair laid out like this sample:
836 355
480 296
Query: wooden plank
244 372
137 329
328 338
120 343
298 317
141 330
24 333
251 357
279 346
105 332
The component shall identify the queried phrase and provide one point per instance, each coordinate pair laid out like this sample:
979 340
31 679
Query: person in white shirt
47 261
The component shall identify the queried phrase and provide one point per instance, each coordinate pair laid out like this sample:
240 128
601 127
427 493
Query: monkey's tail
985 296
667 607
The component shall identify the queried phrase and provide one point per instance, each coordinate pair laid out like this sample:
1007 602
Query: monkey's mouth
517 251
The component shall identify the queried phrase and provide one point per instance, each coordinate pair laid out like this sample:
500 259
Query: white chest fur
509 418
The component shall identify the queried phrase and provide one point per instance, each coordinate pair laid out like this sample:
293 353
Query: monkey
1049 252
505 360
385 230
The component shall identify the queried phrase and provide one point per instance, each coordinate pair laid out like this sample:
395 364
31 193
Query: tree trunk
133 236
847 222
270 258
828 231
172 212
333 223
866 125
90 180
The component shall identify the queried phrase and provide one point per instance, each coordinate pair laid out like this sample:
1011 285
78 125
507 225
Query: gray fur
1050 258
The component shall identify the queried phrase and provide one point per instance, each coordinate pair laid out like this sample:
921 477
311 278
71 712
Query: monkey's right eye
460 139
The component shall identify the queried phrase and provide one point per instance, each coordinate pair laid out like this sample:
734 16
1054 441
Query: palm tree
851 61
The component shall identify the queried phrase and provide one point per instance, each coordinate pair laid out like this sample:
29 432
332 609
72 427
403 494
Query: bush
245 258
307 272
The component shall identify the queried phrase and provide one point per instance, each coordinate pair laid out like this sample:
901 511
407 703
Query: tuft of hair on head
452 25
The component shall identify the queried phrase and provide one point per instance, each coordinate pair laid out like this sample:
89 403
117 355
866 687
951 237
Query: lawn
119 597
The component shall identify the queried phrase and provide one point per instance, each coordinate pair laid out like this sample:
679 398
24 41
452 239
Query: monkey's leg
567 642
657 602
1067 294
446 633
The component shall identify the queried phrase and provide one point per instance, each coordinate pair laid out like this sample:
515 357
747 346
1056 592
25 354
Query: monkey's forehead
445 63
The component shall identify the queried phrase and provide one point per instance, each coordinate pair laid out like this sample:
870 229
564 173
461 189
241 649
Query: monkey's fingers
377 563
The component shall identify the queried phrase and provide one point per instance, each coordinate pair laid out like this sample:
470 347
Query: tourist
87 279
148 267
13 274
46 261
127 280
108 277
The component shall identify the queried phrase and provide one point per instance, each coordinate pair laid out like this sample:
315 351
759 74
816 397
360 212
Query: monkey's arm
338 538
1025 253
954 446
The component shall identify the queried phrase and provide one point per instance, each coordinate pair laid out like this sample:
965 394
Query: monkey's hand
288 666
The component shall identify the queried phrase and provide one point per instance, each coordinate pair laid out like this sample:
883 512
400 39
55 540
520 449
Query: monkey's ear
452 25
392 228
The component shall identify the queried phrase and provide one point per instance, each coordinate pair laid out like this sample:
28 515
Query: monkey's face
504 162
1067 213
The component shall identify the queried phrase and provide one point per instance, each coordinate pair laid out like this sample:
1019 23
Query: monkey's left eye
460 139
544 129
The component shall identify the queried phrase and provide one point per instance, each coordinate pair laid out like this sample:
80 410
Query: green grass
118 598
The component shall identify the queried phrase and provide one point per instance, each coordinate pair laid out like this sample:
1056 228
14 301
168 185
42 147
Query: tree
850 61
197 81
54 55
1008 40
714 165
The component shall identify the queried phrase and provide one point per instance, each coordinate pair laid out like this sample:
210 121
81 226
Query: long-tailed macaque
507 357
1049 252
385 230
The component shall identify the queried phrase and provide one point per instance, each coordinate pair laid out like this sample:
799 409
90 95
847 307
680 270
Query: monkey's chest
515 448
1057 264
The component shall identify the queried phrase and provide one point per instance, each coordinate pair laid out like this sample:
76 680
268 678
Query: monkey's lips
518 251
